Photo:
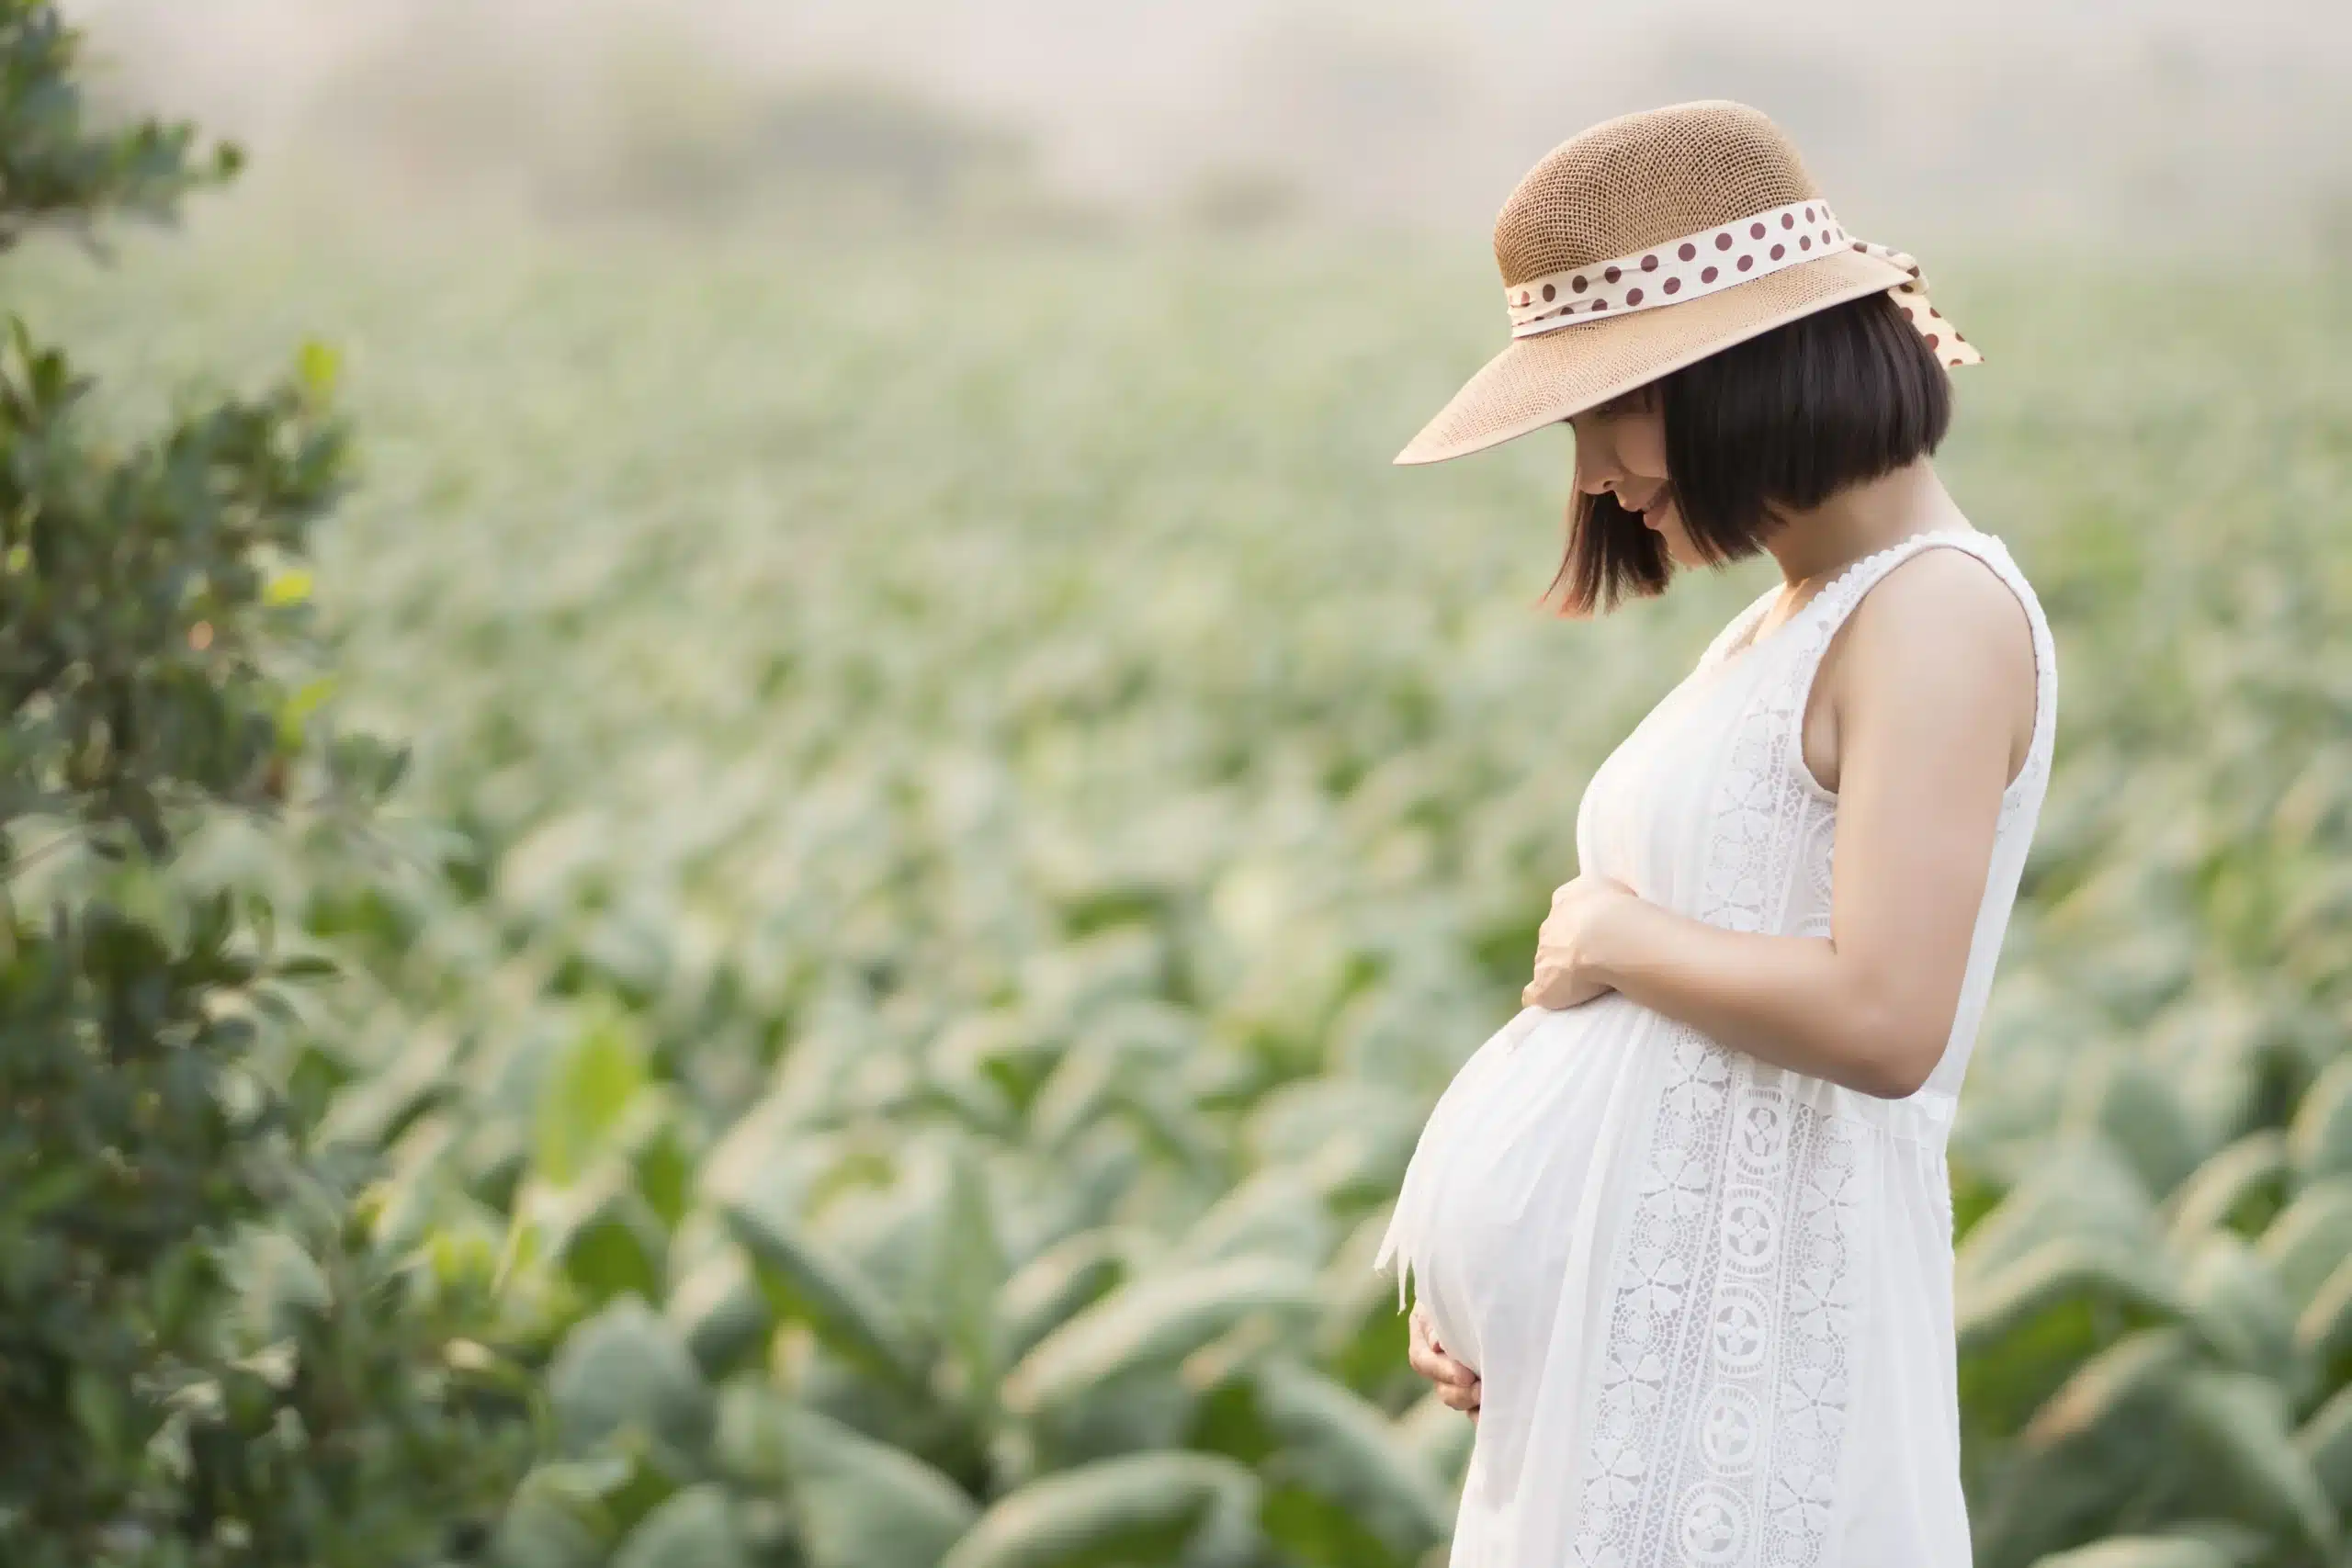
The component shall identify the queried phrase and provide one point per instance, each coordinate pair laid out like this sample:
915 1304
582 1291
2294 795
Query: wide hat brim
1546 378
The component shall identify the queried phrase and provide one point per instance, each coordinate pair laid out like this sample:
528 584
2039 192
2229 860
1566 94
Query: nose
1596 481
1596 469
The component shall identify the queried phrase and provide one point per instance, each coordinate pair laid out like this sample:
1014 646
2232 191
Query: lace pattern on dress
1719 1425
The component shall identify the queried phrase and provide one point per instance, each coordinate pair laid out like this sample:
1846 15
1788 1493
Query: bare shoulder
1940 606
1940 647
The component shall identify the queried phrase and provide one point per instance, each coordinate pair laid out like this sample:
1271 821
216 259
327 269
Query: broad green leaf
971 1271
2310 1238
2139 1551
2238 1306
863 1504
718 1309
1083 1088
2118 1391
1060 1282
605 1237
1343 1450
2099 1441
2326 1442
1143 1508
2124 1098
2320 1137
1154 1321
2239 1187
555 1519
693 1530
1275 1213
625 1370
2079 1189
372 1111
2324 1332
1992 1306
805 1282
2232 1428
589 1088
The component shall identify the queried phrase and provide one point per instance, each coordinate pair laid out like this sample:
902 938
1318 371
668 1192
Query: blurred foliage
200 1364
974 822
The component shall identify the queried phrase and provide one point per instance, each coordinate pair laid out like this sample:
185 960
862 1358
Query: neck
1861 520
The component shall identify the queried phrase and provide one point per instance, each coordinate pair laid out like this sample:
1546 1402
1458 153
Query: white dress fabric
1709 1299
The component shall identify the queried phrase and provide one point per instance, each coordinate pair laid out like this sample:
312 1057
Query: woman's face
1621 447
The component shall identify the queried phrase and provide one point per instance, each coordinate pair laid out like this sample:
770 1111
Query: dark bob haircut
1783 420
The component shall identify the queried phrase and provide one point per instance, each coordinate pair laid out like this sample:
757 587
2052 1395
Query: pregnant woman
1680 1236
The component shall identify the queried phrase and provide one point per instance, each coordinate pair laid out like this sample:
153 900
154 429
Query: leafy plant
971 836
200 1362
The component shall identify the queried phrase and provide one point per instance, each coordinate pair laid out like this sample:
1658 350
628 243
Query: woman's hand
1565 974
1458 1386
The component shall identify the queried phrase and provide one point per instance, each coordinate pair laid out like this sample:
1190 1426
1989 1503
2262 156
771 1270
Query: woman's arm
1931 693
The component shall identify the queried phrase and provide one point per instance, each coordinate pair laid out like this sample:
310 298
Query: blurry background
963 812
2208 128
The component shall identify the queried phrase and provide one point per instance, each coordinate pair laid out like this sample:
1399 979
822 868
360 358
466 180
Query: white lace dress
1709 1299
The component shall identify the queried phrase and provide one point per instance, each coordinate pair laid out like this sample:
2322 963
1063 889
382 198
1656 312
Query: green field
963 811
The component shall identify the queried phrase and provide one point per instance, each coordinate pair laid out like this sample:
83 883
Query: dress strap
1835 604
1839 600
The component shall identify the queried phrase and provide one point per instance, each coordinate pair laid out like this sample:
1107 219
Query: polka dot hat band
1715 259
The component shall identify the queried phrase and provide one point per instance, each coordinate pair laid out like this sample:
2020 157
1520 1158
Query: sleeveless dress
1709 1298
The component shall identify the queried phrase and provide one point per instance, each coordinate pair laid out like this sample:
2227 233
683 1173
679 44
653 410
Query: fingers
1456 1386
1437 1366
1551 987
1426 1356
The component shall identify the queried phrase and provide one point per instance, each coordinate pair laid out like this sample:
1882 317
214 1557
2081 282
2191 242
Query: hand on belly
1458 1386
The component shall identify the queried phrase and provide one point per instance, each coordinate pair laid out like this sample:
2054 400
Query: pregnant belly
1490 1209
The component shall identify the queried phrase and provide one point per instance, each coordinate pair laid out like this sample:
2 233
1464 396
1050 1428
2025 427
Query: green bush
200 1362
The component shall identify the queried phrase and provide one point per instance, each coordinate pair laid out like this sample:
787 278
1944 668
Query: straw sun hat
1652 240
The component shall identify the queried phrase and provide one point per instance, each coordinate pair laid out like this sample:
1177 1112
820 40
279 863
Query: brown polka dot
1747 261
1914 269
1756 230
1601 304
1649 264
1611 275
1577 283
1788 219
1808 214
1933 311
1804 241
1722 240
1779 251
1861 246
1674 285
1633 296
1825 236
1550 292
1932 340
1522 296
1709 275
1688 251
1908 314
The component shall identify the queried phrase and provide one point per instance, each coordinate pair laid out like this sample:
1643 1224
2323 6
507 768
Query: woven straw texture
1624 185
